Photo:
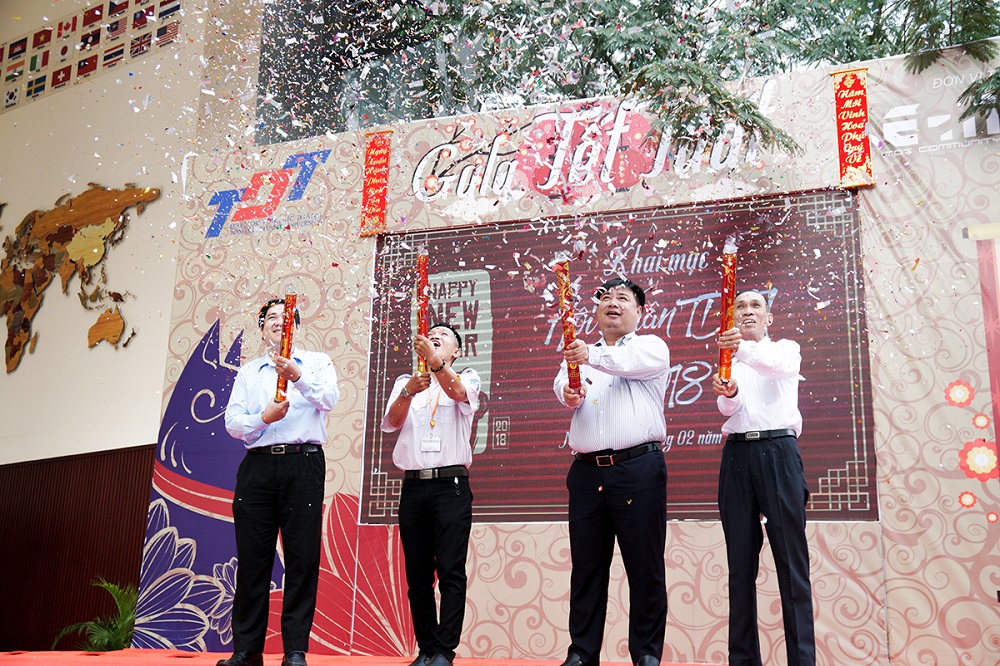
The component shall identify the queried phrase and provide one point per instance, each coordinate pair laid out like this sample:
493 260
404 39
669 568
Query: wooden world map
73 238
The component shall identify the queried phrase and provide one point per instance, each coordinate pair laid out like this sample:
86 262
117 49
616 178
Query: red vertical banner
376 183
850 91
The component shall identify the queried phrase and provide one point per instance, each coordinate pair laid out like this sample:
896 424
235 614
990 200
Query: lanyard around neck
437 399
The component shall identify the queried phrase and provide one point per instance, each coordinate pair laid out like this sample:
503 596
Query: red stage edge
177 657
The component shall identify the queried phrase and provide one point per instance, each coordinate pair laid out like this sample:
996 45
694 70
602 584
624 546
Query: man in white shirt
761 473
618 482
433 414
279 487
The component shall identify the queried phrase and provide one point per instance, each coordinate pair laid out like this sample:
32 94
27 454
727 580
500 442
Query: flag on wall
141 17
116 29
11 97
168 7
114 55
65 50
36 87
61 76
91 39
17 49
66 28
41 38
93 15
14 70
87 66
38 62
167 33
140 45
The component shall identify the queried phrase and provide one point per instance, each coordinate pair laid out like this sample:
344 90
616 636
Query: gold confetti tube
423 292
728 296
566 311
285 349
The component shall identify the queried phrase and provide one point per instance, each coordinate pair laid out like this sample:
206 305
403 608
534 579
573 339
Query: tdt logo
279 180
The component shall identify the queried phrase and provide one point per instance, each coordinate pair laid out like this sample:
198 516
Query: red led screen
494 284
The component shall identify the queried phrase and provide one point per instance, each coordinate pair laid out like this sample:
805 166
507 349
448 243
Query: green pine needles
687 61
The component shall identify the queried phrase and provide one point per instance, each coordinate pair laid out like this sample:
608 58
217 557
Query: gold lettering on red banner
850 90
376 183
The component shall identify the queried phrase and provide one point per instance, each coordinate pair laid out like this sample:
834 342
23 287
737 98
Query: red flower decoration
967 499
978 459
959 393
981 421
992 517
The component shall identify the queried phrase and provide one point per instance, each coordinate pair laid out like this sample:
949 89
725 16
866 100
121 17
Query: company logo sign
241 205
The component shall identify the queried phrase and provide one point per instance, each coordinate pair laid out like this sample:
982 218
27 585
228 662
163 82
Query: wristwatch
403 393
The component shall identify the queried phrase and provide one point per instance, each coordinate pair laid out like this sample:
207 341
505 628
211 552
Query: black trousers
766 476
627 501
277 493
435 519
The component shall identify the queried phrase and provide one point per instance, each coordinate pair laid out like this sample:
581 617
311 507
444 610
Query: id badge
430 444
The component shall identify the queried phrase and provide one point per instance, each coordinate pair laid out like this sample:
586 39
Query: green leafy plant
114 632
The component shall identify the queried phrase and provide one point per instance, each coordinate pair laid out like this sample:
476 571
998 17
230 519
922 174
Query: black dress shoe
420 660
573 660
439 660
648 660
296 658
243 659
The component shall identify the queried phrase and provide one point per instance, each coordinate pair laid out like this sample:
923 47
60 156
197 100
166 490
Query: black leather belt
282 449
754 435
436 472
609 458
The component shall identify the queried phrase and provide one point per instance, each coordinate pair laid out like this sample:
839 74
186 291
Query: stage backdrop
877 283
494 283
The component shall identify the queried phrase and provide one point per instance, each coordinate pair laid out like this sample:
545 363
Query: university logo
280 182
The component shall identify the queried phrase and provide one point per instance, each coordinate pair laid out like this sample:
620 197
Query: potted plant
114 632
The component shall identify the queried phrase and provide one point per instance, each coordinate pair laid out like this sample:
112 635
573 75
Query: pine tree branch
982 97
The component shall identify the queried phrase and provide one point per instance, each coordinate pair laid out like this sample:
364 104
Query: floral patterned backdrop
917 586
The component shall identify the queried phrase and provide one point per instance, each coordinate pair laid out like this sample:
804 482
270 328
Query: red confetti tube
285 348
423 292
566 311
728 296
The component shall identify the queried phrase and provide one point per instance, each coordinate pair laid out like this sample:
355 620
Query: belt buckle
607 460
278 448
425 474
752 435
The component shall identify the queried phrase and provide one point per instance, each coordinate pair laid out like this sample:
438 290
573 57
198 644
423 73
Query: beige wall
135 124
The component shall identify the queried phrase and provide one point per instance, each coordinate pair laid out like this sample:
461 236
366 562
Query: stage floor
177 658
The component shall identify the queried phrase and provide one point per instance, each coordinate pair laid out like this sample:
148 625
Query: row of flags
84 44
